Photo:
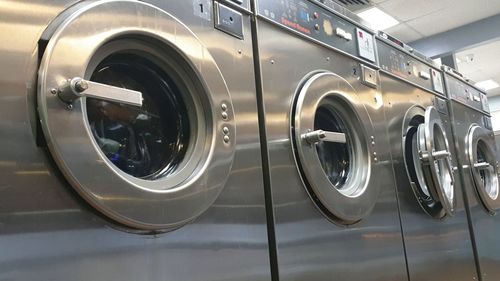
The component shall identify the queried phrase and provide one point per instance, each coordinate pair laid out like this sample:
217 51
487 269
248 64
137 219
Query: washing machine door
331 134
481 152
136 113
428 160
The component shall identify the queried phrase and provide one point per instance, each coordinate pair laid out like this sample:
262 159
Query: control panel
462 92
407 67
321 24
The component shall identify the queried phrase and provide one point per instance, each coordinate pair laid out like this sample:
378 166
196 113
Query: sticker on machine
365 44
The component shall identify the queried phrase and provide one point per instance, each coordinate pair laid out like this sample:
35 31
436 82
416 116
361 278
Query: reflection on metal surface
41 217
326 103
296 84
424 188
477 162
192 169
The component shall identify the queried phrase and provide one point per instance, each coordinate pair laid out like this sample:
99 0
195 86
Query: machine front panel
311 20
431 243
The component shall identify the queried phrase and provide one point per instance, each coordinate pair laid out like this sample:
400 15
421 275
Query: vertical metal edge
380 74
460 171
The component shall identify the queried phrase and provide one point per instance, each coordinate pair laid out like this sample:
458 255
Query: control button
316 26
340 32
327 27
477 99
316 15
228 20
369 76
424 75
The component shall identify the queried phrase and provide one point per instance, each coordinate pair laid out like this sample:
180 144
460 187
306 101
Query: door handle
77 87
320 135
482 166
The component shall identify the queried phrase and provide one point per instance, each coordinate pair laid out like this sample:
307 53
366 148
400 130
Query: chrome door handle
437 155
482 166
78 87
442 154
320 135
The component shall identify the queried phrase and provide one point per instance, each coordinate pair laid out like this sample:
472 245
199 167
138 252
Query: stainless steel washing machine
130 146
477 159
331 200
438 245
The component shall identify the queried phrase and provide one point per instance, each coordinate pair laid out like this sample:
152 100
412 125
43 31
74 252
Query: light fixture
378 19
487 85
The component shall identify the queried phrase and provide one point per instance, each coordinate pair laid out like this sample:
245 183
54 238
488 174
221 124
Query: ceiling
481 67
423 18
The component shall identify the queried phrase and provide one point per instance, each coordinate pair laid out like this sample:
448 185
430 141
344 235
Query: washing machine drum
481 152
136 113
333 147
428 160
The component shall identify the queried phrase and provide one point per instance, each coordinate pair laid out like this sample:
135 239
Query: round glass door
428 161
142 130
483 164
331 145
147 142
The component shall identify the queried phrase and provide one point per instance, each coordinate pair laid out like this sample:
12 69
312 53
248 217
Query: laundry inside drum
146 142
335 157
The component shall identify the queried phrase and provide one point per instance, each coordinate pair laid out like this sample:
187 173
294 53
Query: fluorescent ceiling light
378 19
487 85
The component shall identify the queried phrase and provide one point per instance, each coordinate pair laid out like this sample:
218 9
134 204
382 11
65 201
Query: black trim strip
273 250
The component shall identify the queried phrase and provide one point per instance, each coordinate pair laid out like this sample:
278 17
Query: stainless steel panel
436 249
485 227
310 246
48 233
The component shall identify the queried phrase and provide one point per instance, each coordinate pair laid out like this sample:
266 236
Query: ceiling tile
405 10
457 13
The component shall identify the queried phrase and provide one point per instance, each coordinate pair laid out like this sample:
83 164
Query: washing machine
437 241
332 206
130 144
477 160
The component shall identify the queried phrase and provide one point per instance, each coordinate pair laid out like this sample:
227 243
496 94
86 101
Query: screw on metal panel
375 159
69 107
239 52
53 91
374 153
272 61
372 137
223 106
225 130
373 143
225 116
327 58
226 139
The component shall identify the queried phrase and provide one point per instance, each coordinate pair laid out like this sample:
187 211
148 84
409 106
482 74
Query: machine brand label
295 26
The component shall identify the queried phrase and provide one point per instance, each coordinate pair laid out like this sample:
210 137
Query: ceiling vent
354 2
355 5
